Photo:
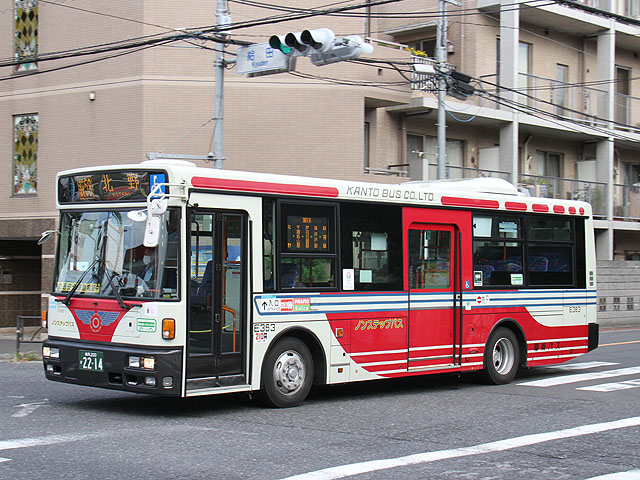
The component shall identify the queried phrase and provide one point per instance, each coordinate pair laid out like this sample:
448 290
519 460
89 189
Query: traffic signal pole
441 57
222 19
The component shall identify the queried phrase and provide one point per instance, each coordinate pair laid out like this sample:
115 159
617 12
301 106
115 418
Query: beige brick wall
160 98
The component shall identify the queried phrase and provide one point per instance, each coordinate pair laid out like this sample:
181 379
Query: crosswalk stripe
581 377
612 387
359 468
630 475
580 366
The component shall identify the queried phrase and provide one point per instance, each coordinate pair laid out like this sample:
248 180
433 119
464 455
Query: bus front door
433 279
217 317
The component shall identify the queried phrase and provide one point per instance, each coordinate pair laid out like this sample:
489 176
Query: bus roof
484 193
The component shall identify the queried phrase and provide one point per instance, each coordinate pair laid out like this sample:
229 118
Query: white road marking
612 387
579 366
499 446
630 475
581 377
27 408
36 441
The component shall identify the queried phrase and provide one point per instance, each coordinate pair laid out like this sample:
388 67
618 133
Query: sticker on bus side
147 325
284 305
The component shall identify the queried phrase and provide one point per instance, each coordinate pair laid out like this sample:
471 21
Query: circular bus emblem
95 322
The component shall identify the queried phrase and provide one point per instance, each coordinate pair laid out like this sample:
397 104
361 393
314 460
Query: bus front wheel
501 357
287 373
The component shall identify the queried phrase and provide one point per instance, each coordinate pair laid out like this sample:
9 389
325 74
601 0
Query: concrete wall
618 293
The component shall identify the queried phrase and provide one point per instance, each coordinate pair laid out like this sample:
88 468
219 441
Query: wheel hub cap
289 372
503 356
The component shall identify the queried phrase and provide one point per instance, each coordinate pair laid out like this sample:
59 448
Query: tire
501 357
287 373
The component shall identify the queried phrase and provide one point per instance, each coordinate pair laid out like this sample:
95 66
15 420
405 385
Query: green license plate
90 360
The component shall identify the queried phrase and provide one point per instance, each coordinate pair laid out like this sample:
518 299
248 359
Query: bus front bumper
114 366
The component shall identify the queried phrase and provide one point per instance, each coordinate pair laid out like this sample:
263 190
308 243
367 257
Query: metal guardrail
20 331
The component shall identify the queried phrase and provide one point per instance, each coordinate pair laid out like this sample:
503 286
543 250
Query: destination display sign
307 234
111 186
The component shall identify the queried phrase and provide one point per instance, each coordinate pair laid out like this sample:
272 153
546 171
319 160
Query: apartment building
109 82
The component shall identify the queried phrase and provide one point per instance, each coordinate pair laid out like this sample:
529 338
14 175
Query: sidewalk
8 342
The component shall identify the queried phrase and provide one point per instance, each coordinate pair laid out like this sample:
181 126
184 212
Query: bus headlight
147 363
134 362
50 352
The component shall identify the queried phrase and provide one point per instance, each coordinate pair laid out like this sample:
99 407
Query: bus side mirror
152 231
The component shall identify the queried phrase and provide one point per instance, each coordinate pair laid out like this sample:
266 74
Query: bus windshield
100 251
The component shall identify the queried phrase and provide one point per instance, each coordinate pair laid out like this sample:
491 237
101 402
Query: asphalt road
558 423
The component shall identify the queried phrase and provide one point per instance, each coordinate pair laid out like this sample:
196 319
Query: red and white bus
173 279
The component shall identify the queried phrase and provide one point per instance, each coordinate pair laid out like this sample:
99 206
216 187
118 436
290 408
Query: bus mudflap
594 336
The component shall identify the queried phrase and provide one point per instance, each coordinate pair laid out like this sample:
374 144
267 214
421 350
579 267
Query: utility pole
222 19
441 57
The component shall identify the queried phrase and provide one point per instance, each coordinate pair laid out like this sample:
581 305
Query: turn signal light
168 328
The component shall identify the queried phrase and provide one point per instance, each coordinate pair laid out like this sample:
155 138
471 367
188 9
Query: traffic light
277 42
306 42
321 45
345 48
459 86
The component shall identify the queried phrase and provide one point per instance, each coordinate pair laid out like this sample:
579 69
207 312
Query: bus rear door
433 277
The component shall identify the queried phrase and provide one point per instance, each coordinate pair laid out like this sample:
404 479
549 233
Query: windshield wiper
116 293
67 299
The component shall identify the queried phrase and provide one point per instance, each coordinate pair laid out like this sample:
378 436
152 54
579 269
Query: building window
25 154
623 90
26 34
549 164
632 8
427 46
422 150
560 89
524 72
367 141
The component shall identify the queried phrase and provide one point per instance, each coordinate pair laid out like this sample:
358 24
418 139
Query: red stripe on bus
558 209
522 207
539 207
469 202
265 187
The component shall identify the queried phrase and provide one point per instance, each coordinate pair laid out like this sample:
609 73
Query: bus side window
307 245
371 245
268 242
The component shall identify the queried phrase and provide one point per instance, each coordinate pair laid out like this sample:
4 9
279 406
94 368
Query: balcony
626 198
626 8
552 99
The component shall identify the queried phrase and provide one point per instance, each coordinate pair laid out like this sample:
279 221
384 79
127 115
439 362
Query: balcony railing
554 99
627 8
626 197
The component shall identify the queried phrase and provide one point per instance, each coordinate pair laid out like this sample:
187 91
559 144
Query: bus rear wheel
501 357
287 373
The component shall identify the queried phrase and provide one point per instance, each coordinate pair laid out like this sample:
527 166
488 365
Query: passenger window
308 256
429 259
371 246
497 251
550 253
